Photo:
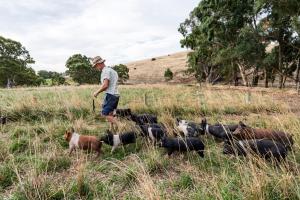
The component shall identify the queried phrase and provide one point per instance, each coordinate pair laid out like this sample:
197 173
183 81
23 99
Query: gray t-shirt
112 76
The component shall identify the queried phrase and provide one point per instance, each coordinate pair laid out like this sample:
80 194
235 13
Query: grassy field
34 160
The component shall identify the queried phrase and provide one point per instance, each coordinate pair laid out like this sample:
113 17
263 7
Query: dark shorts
110 103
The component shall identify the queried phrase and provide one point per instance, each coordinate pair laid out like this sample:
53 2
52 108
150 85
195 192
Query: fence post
145 99
248 97
201 100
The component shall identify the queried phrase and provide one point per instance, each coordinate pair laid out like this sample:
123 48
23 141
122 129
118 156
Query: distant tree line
15 68
81 71
55 77
247 40
14 64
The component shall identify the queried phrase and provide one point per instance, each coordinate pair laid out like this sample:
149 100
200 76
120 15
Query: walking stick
94 105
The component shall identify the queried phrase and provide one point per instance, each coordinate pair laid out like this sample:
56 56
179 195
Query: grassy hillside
34 160
152 70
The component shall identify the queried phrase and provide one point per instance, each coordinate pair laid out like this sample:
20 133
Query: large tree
14 64
123 72
281 20
231 36
80 69
215 32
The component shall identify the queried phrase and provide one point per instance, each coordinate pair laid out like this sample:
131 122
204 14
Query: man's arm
104 86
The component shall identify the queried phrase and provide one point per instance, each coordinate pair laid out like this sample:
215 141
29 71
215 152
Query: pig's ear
242 125
68 134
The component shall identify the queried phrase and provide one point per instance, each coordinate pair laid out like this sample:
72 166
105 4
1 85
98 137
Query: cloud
119 31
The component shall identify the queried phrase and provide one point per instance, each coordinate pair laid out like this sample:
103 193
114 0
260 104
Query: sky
120 31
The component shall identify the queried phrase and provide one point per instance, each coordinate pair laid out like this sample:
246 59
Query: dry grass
35 163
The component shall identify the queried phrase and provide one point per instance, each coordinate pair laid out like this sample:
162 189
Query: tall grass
35 163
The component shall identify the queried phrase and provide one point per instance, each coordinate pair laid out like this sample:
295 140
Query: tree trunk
297 72
280 64
243 74
266 78
235 74
8 85
280 81
255 77
273 77
283 82
235 78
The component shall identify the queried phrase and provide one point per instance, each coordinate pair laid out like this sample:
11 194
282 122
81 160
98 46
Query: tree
45 74
56 78
230 36
212 31
14 61
168 74
80 69
28 77
282 24
123 72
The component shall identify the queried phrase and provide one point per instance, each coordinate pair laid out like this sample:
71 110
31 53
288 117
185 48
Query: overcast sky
118 30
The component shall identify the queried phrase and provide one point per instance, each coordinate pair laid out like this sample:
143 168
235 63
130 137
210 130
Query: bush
168 74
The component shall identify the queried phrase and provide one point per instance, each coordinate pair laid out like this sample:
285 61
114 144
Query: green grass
185 181
7 176
34 160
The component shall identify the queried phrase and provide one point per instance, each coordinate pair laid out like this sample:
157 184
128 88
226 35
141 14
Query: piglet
84 142
183 145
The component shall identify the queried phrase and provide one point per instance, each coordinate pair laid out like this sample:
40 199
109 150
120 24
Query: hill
152 70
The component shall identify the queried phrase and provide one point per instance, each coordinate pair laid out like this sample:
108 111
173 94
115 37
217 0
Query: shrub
168 74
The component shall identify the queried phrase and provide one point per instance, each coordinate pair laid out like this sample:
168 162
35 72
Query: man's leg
112 122
111 118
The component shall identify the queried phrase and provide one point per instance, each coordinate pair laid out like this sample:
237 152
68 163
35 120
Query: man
109 84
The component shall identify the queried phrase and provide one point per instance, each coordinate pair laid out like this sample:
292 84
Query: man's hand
96 94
